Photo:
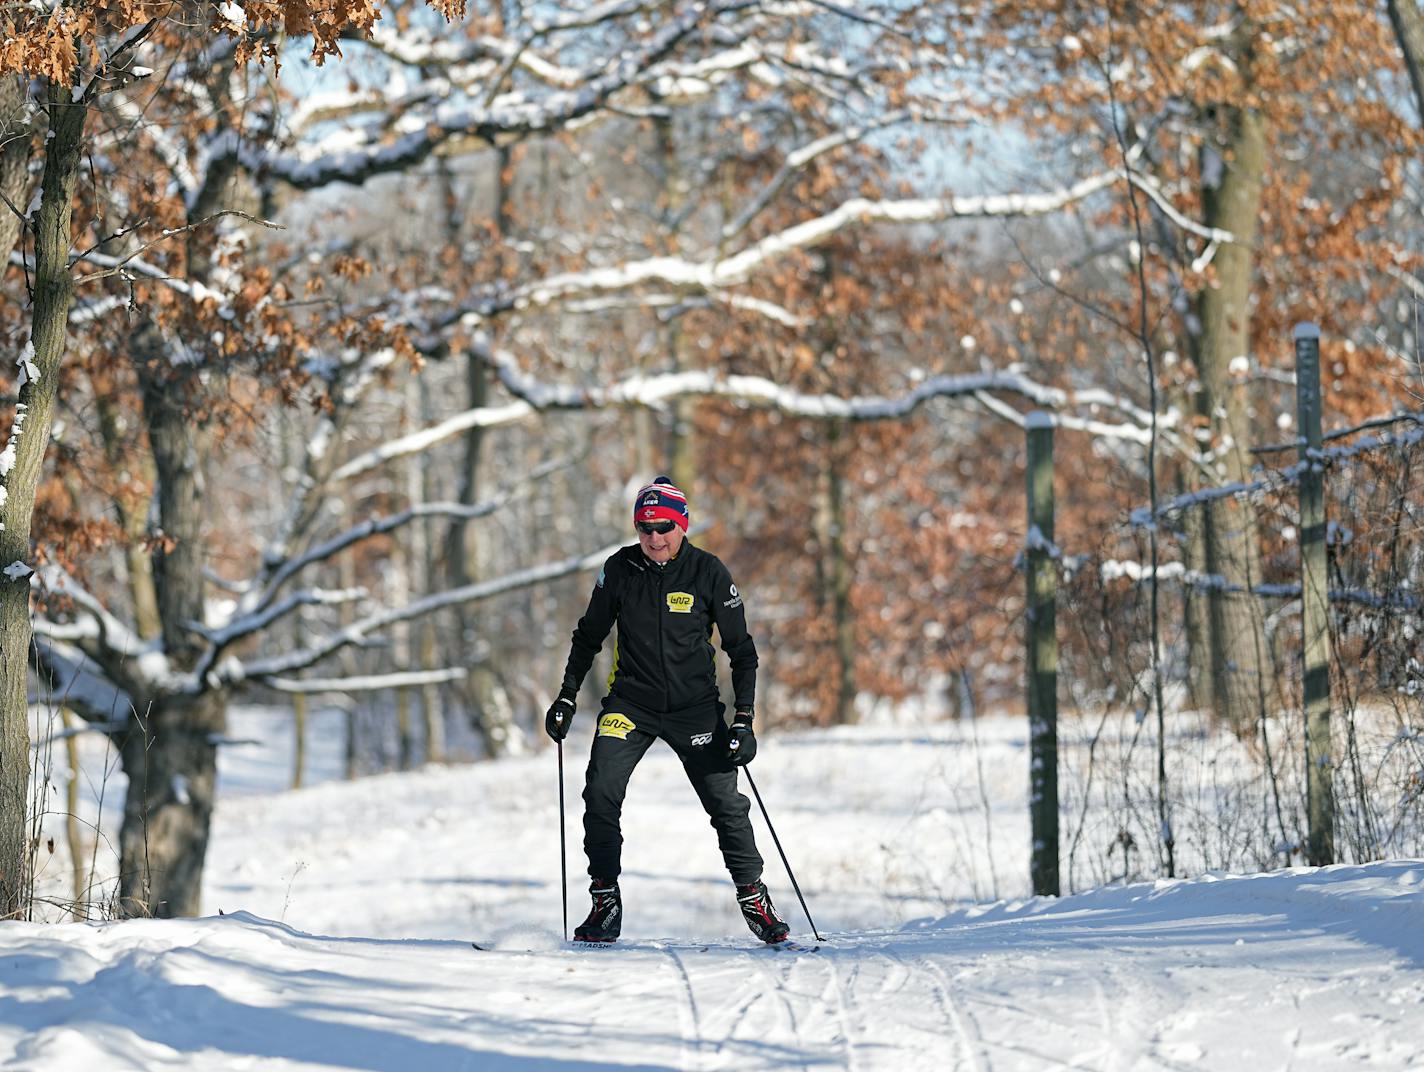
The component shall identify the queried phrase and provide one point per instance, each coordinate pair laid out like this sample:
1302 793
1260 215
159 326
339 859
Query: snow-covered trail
352 907
881 826
1305 970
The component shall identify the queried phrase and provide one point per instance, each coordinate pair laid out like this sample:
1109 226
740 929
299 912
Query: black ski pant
699 737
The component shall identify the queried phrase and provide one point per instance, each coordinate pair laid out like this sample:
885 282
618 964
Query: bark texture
170 750
15 140
1408 22
23 460
1232 200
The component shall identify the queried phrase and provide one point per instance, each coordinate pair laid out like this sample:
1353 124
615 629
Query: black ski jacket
663 659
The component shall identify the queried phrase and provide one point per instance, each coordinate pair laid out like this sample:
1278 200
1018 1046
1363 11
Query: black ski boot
605 919
759 913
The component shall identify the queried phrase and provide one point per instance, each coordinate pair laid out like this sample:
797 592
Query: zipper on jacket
662 626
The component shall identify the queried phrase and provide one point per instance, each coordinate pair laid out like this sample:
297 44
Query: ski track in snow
383 882
688 1016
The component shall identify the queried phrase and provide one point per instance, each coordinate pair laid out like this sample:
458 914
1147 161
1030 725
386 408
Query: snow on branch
1385 421
1140 573
350 377
66 677
248 624
1410 281
508 116
370 683
798 159
738 268
136 265
1143 516
484 417
375 526
259 608
657 391
232 671
677 304
1134 432
111 643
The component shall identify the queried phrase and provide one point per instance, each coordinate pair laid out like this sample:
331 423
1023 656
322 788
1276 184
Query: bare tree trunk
170 757
492 716
1408 22
138 566
423 547
170 750
22 462
299 738
682 445
840 578
15 138
1197 608
430 704
346 615
402 647
1233 167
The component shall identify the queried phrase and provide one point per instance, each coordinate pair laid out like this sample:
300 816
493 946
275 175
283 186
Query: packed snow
350 909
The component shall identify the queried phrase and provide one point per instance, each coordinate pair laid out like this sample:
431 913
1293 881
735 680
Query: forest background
333 382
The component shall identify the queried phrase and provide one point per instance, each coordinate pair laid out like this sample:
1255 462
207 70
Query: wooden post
1314 603
1042 657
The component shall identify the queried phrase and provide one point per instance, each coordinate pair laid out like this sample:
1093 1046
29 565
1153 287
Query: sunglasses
647 528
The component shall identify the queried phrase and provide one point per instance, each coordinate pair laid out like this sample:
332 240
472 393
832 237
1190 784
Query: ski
786 945
790 945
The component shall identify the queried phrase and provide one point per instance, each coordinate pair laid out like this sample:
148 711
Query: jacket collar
670 567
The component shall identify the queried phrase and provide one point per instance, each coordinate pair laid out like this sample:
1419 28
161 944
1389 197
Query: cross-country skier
665 595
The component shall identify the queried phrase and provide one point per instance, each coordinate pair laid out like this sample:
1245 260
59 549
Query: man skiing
665 595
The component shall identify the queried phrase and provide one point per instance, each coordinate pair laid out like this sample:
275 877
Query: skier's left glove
742 748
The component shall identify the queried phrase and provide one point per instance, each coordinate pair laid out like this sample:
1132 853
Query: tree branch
370 683
232 671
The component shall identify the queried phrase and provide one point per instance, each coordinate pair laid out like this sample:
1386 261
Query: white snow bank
1315 969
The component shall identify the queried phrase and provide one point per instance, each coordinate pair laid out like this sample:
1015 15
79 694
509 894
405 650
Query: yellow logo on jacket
680 602
612 724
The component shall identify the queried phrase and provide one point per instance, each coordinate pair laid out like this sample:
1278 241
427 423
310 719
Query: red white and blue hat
661 501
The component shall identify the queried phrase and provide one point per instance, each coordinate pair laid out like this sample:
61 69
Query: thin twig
117 269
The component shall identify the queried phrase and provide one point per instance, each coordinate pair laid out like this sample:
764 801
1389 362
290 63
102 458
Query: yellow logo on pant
612 724
680 602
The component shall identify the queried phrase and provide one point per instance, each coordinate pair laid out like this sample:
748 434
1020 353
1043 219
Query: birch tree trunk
20 467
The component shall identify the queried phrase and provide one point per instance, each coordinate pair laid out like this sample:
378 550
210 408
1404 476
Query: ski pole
787 863
563 852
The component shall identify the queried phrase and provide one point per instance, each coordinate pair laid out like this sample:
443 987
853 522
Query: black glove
560 715
742 748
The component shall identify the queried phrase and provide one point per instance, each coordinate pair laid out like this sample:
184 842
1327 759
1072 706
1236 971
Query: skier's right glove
560 715
741 749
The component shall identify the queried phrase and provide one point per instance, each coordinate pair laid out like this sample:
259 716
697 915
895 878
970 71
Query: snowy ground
352 906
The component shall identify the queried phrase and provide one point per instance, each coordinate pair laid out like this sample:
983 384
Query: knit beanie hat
661 501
